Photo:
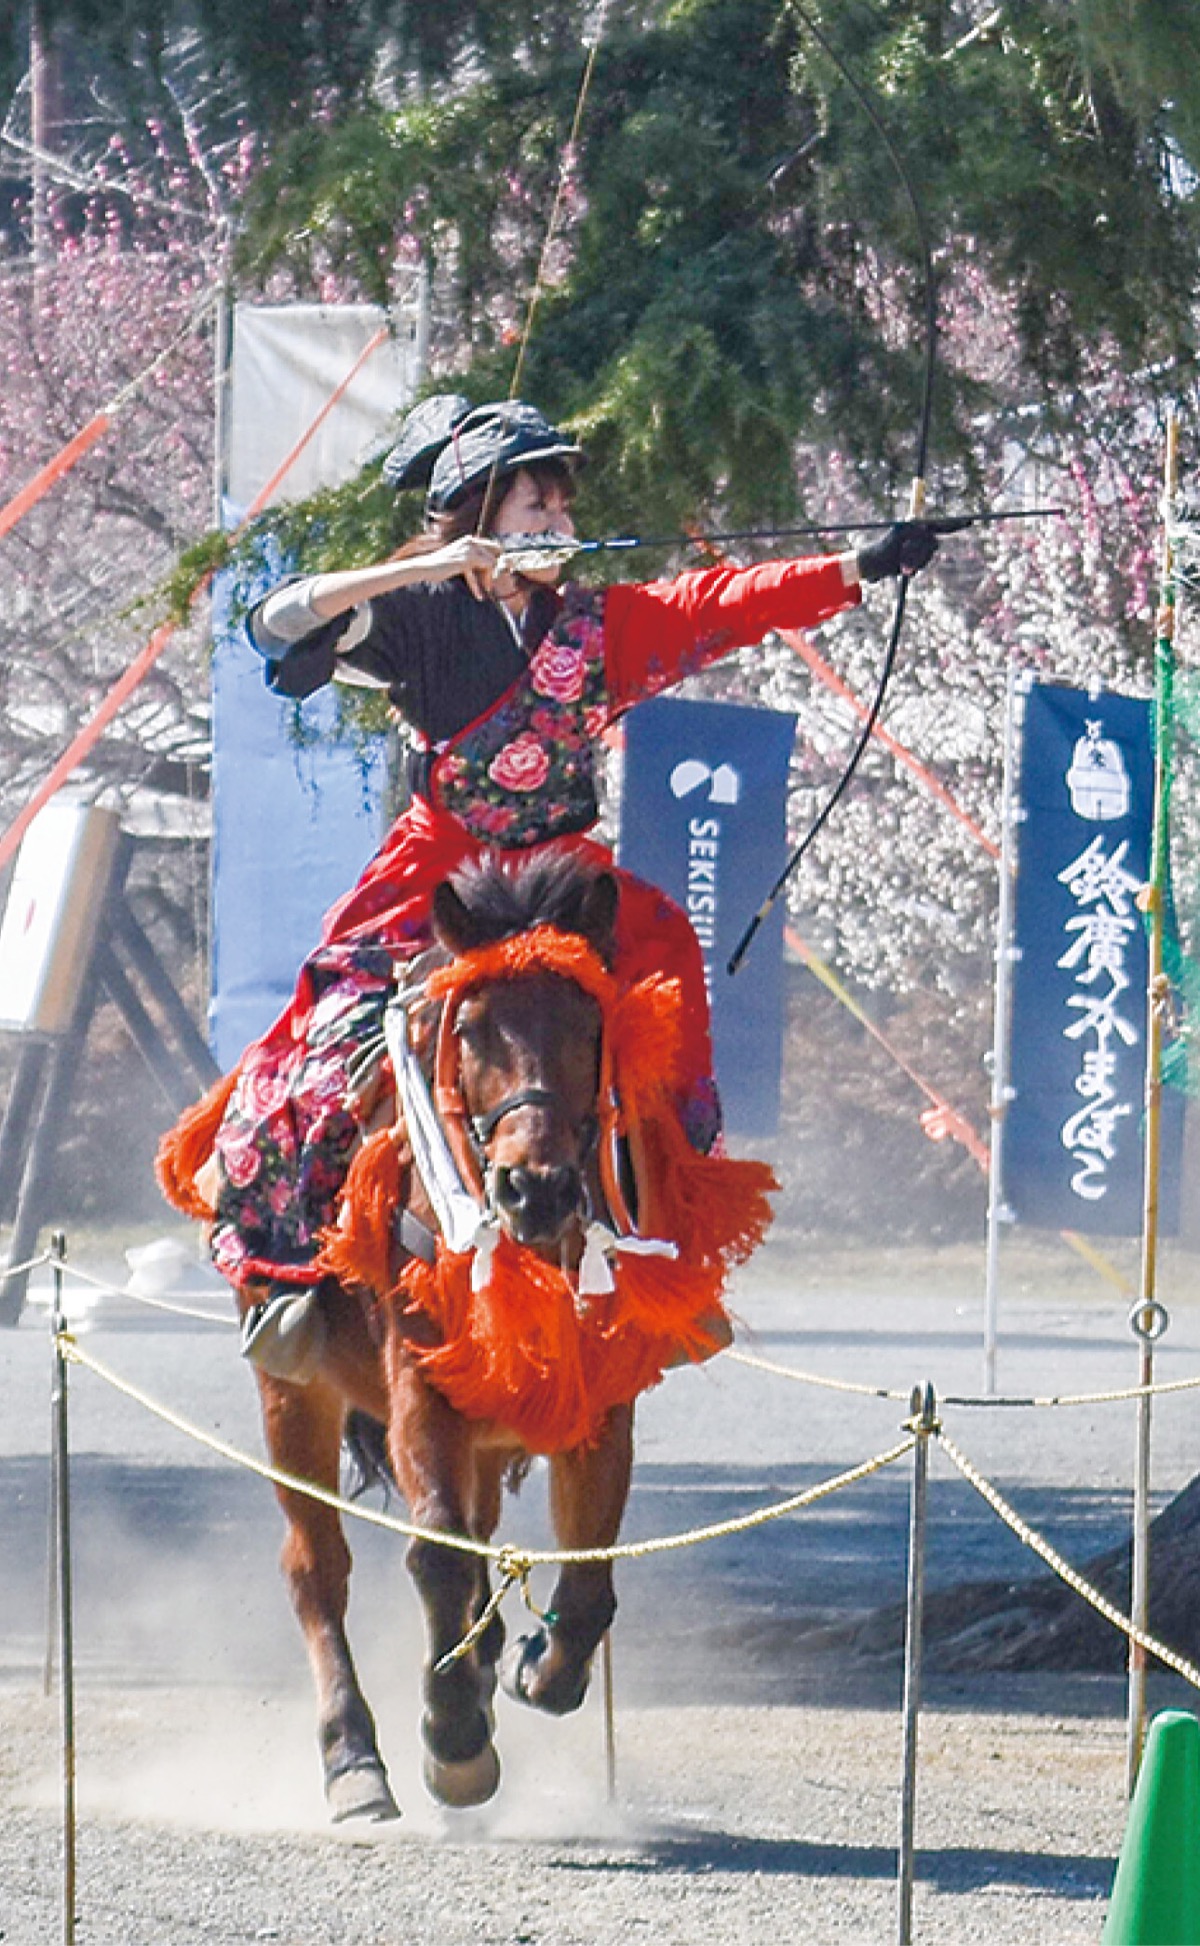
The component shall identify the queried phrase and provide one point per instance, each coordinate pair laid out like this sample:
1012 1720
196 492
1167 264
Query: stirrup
285 1334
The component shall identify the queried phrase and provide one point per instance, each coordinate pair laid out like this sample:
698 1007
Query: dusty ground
757 1780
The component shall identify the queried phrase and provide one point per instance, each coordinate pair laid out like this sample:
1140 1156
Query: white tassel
487 1236
600 1244
595 1272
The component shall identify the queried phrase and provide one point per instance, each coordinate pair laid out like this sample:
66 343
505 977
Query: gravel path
757 1777
198 1824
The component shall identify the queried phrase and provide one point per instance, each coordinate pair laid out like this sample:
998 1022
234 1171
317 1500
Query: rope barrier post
610 1717
1148 1319
50 1657
62 1556
924 1423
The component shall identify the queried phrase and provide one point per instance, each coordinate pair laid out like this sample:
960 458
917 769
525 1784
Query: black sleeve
305 666
300 668
444 657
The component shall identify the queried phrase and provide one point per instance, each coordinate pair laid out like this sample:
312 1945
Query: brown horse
594 1256
529 1051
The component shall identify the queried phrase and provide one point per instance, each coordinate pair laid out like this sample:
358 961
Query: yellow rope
108 1289
513 1561
1086 1398
71 1350
513 1568
814 1378
634 1550
515 1564
881 1392
31 1263
1063 1569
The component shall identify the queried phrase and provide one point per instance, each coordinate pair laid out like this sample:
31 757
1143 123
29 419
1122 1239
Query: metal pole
924 1424
222 362
1001 1094
62 1536
1149 1319
610 1717
39 142
48 1660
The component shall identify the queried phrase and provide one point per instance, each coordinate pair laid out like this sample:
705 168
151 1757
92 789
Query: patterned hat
448 446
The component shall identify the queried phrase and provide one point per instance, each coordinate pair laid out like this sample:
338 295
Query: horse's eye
470 1029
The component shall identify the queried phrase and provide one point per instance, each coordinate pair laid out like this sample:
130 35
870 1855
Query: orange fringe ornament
525 1354
715 1207
540 950
185 1149
360 1248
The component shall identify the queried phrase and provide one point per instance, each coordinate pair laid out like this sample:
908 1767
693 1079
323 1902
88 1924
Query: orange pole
821 669
74 450
941 1118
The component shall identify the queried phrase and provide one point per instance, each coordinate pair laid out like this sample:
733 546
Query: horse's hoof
462 1785
518 1671
363 1792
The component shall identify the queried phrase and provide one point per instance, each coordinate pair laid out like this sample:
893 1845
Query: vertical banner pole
924 1423
1149 1319
222 356
1001 1090
62 1551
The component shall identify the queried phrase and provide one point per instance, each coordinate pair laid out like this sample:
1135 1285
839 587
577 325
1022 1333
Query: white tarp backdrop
287 361
294 820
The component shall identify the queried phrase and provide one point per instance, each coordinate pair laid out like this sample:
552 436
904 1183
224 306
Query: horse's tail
185 1149
364 1442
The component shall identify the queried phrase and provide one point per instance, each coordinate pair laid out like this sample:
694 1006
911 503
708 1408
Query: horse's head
523 1039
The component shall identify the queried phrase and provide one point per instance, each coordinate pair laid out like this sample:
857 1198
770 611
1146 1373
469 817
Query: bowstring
567 160
916 505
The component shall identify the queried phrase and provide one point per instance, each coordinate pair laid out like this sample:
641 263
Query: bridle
483 1127
450 1146
470 1136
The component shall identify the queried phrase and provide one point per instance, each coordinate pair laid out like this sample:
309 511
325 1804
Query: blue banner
1073 1140
704 817
296 816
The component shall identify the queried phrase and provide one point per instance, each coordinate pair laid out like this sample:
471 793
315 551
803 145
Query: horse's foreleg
433 1457
304 1429
588 1490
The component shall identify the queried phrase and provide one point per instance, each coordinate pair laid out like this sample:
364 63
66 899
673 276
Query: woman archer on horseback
506 679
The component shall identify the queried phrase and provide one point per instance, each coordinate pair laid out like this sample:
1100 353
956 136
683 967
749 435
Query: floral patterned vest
524 771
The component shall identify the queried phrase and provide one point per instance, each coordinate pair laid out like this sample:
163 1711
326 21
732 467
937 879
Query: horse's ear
598 913
453 925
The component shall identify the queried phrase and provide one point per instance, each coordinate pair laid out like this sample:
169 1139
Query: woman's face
533 506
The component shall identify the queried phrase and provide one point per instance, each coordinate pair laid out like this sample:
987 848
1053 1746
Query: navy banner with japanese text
1073 1141
703 816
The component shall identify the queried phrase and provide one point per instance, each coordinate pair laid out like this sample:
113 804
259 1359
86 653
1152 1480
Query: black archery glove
906 548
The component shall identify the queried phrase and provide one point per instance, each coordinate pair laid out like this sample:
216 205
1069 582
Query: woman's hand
475 557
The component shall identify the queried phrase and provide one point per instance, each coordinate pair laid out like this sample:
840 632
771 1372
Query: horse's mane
507 897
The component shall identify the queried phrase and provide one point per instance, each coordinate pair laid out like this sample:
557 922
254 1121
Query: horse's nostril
539 1203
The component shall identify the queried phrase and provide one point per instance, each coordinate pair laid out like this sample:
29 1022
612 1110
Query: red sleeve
657 632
